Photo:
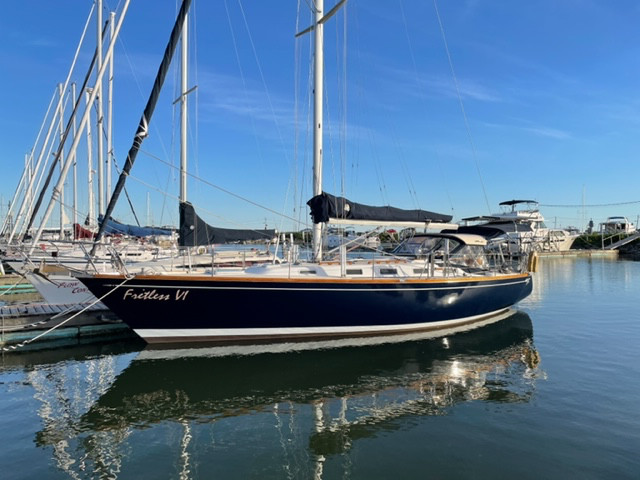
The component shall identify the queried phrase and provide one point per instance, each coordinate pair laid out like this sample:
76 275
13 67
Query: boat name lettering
76 287
145 295
154 295
181 295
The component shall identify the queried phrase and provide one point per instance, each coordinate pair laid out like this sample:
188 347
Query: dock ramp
622 242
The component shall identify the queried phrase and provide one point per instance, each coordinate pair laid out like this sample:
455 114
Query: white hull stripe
150 334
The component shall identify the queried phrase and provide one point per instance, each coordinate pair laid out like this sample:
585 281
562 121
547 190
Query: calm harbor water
551 391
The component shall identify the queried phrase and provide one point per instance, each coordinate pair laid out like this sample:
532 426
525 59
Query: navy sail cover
194 231
326 206
113 227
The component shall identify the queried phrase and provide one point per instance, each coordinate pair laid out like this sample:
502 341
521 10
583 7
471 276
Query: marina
545 391
29 322
307 295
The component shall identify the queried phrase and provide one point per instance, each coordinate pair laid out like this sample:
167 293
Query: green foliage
588 241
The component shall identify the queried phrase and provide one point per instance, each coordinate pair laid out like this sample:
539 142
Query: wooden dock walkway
38 325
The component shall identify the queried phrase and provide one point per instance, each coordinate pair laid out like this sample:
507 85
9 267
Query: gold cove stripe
352 281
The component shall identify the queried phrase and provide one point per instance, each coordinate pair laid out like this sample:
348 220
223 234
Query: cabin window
308 272
420 271
388 271
354 271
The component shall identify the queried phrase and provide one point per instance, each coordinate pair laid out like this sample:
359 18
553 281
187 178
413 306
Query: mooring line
15 285
26 342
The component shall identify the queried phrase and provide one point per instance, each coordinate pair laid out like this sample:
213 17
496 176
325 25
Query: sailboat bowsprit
432 281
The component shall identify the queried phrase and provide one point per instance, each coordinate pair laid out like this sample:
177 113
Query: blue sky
452 109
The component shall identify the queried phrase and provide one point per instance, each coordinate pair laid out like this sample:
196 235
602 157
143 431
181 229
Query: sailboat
435 280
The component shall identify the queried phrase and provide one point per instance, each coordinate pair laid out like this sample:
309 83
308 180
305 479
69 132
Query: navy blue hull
214 303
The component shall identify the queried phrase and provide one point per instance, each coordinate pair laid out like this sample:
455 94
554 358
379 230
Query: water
552 391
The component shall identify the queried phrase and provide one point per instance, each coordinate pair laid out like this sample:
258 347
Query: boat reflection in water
335 396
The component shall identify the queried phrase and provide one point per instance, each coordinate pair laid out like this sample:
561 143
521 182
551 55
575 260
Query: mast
100 110
318 86
76 140
26 208
183 113
149 222
143 126
112 17
73 116
61 161
90 189
6 224
75 167
8 229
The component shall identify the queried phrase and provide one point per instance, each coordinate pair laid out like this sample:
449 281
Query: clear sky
451 106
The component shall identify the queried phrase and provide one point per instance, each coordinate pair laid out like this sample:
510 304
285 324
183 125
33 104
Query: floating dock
581 253
16 288
29 323
38 325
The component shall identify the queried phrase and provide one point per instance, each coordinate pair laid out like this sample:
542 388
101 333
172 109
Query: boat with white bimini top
433 280
619 224
524 228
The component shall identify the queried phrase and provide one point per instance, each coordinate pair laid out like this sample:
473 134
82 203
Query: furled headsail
143 126
326 206
194 231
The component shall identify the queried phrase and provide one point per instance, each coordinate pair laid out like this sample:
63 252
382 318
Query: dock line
26 342
15 285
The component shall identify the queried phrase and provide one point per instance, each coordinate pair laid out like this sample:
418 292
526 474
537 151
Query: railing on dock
622 239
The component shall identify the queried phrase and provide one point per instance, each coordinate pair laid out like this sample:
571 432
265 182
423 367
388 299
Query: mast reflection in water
181 409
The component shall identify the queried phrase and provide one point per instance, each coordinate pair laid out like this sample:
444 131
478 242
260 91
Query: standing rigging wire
343 143
412 190
242 75
366 108
340 80
328 146
378 169
159 137
298 204
306 164
207 183
294 172
419 85
299 184
270 102
296 61
590 206
405 170
464 114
